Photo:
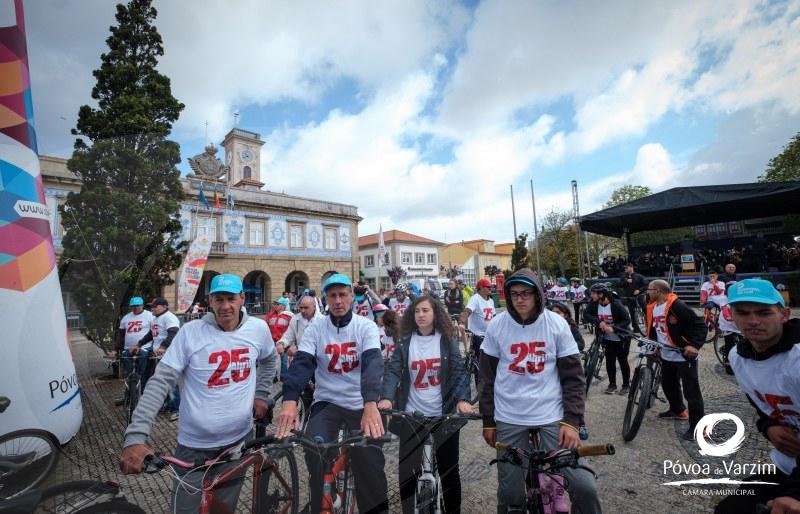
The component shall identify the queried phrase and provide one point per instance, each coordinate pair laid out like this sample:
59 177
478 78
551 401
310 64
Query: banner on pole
192 271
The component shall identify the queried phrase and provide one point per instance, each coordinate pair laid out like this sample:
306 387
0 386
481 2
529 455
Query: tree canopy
786 165
122 229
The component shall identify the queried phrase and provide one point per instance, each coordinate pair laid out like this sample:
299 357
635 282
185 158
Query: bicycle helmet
379 309
575 279
400 288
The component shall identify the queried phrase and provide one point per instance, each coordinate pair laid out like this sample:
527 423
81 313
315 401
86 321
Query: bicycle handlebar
553 460
422 419
156 462
318 444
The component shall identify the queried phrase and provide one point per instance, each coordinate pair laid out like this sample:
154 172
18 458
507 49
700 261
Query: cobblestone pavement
630 481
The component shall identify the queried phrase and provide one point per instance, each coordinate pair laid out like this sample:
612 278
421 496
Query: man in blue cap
133 328
216 357
343 352
767 367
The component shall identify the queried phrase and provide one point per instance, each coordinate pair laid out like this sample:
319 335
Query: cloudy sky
424 113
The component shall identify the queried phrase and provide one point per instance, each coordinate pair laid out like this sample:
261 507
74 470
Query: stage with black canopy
697 205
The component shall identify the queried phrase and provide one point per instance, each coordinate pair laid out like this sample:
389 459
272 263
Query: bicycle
545 486
133 387
428 497
303 404
338 484
711 319
275 482
593 358
26 458
76 497
471 365
644 384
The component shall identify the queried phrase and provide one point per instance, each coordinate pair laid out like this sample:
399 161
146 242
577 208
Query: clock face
246 155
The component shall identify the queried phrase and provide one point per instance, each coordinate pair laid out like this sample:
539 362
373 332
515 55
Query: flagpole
535 232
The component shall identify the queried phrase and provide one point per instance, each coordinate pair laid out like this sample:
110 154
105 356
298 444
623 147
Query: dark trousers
630 303
746 504
366 463
576 307
475 345
677 374
445 446
617 351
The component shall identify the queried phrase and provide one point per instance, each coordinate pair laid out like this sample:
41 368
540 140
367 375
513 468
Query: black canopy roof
689 206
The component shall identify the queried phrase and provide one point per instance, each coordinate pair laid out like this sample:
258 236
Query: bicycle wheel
349 505
115 506
425 499
279 487
75 495
26 458
719 345
711 324
638 399
656 385
134 392
591 368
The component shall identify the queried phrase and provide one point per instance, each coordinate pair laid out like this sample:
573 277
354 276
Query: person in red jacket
278 321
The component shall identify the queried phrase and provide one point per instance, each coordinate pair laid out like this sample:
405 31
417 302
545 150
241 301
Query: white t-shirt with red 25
219 380
424 364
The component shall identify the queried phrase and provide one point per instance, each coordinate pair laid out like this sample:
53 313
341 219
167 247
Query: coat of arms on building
207 164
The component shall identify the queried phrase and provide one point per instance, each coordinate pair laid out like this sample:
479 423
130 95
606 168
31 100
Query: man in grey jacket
216 358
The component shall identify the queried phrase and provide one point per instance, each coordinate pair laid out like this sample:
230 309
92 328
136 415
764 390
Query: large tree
786 165
519 254
625 194
558 243
122 228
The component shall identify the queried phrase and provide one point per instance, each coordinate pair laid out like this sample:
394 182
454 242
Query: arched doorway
296 282
202 290
257 287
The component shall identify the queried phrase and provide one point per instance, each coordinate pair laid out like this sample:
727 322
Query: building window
256 233
296 238
247 172
386 259
369 261
734 227
419 258
432 259
331 238
405 257
207 226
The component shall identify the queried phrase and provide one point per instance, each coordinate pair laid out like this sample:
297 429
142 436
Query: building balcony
218 248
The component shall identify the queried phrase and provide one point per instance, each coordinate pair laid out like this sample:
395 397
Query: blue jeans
173 401
141 364
284 364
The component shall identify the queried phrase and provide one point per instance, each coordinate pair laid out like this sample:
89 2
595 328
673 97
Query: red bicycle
275 483
338 485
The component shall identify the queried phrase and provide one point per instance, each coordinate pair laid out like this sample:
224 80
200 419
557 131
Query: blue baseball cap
562 280
136 300
226 283
754 290
283 301
338 279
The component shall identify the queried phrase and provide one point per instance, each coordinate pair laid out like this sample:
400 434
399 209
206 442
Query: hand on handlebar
568 437
463 407
131 461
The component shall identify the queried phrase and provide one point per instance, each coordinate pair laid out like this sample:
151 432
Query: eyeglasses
523 295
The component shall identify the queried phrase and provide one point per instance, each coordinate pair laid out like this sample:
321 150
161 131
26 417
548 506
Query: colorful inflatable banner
192 271
37 373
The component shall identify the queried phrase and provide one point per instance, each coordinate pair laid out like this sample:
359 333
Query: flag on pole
381 247
202 197
216 199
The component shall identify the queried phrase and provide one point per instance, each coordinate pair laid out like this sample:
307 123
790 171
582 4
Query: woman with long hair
388 328
426 374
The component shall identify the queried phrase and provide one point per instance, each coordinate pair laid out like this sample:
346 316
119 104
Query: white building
418 256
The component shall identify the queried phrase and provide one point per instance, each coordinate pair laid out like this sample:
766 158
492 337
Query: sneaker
610 390
688 435
583 433
173 417
668 414
624 391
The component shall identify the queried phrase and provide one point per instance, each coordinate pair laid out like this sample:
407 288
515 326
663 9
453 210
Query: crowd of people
340 340
757 257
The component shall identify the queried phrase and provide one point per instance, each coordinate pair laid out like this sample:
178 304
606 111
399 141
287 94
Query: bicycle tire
279 486
115 506
591 368
634 410
656 385
349 506
712 327
134 393
74 495
719 345
26 458
424 499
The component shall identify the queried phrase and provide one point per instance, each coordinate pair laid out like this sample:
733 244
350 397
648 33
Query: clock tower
243 155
